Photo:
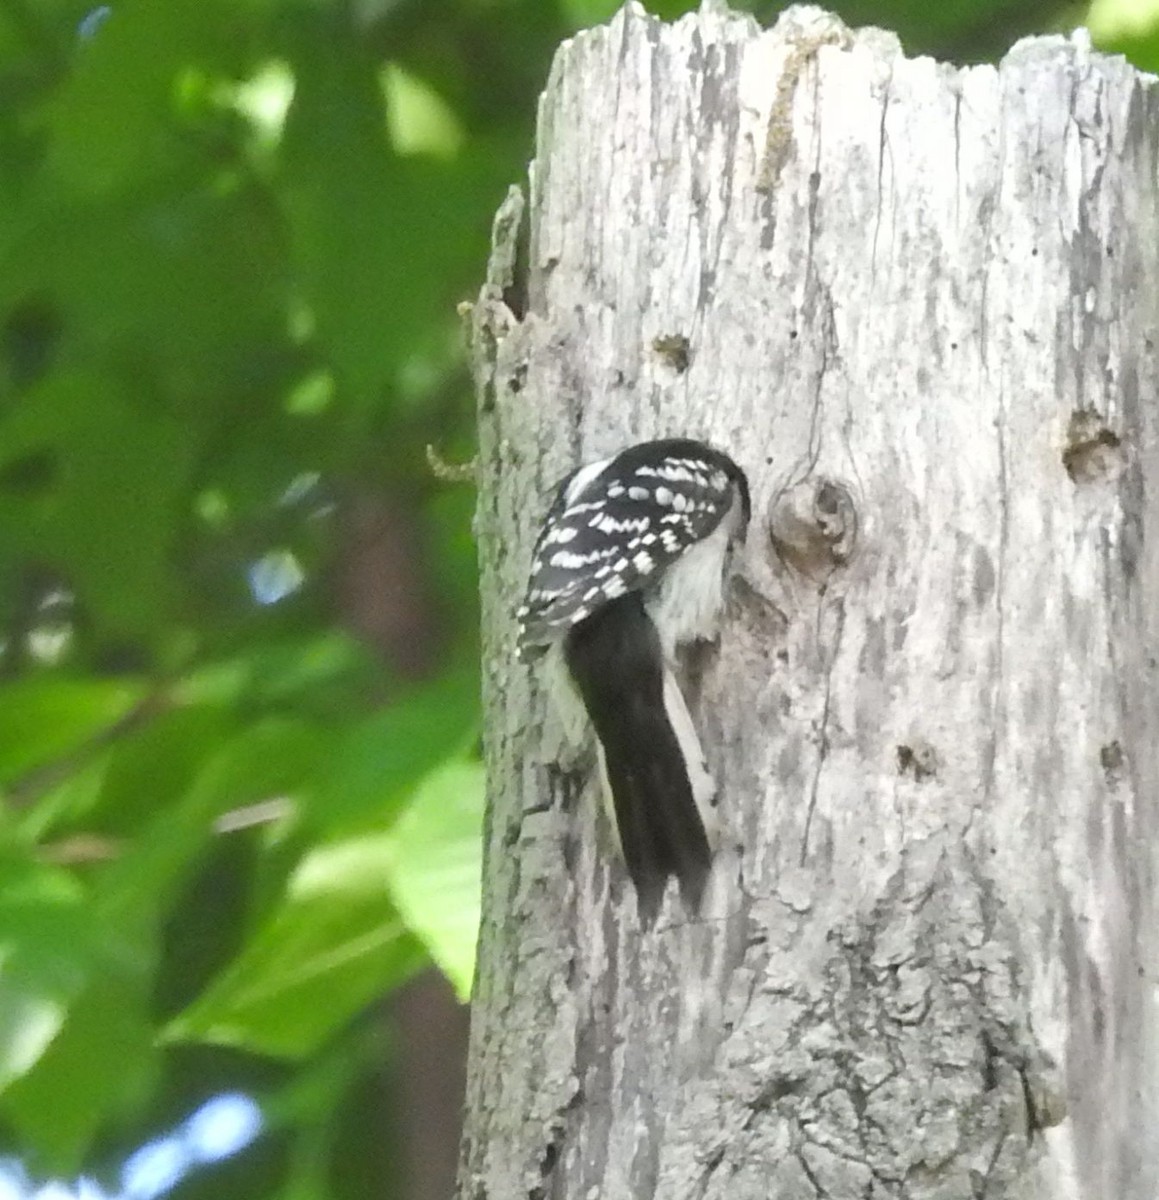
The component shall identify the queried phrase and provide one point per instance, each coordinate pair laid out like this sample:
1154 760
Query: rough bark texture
919 305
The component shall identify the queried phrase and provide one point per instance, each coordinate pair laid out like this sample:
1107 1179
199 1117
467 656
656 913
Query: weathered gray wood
921 307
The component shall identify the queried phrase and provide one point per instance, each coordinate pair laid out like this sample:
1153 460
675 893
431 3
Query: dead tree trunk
920 306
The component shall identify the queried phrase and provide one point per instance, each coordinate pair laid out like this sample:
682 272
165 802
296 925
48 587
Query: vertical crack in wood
823 731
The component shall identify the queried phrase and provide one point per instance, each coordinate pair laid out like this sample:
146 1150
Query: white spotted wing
616 524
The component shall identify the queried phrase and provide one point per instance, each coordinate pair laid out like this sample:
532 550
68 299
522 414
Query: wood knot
813 526
675 350
1113 762
1093 450
919 761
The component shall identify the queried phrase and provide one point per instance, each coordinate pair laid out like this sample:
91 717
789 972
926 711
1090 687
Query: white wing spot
570 561
636 492
582 478
677 470
663 495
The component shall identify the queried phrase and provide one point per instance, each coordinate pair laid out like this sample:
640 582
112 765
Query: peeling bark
920 306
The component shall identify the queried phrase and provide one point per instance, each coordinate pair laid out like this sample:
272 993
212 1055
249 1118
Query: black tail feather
617 663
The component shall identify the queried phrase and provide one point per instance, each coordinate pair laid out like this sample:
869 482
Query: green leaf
30 1017
333 944
180 292
436 868
45 719
356 212
49 809
105 513
75 1043
964 30
337 185
335 940
1128 26
45 948
384 758
99 1066
113 119
420 121
581 14
151 769
315 674
273 758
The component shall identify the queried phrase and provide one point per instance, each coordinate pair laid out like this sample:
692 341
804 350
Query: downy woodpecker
630 565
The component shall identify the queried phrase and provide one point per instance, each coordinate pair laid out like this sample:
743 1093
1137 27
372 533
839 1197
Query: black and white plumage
629 566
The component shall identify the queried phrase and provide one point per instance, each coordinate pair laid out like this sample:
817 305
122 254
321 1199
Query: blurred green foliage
234 811
1130 27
